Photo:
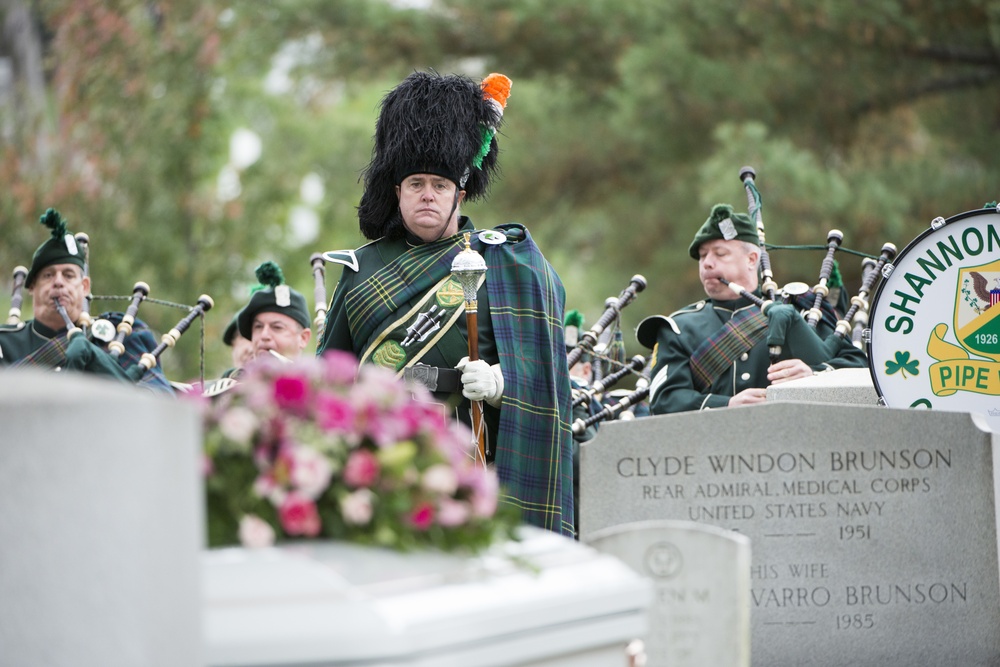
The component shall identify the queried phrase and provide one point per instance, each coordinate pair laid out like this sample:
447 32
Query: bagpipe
795 331
106 344
603 342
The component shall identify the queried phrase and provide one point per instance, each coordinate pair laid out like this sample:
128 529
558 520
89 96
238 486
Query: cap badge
282 296
728 229
71 244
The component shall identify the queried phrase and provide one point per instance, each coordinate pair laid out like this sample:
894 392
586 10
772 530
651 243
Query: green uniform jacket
520 314
445 354
19 341
675 338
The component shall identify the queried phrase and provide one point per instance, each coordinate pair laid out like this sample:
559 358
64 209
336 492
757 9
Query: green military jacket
445 353
676 337
19 340
25 338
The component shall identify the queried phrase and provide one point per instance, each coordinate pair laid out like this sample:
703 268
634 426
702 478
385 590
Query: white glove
481 382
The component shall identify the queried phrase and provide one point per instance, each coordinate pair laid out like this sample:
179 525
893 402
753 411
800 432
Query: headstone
701 615
101 528
844 386
874 530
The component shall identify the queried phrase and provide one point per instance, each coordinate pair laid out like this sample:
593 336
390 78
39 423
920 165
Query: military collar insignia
728 229
282 296
346 257
492 237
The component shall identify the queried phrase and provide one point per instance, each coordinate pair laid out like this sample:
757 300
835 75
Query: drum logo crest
977 329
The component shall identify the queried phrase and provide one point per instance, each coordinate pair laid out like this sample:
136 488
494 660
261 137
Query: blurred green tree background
194 139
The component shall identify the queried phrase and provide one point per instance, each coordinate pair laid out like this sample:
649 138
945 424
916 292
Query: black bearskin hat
429 123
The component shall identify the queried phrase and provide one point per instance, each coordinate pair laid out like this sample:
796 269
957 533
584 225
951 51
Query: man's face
731 260
427 204
65 282
278 332
242 350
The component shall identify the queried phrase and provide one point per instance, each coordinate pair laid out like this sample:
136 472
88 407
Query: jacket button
744 356
745 376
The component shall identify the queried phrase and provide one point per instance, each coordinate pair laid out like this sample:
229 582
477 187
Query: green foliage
626 122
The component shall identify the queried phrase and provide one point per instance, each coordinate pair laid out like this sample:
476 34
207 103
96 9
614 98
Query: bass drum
934 338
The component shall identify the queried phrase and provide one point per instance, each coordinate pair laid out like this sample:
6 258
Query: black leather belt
437 380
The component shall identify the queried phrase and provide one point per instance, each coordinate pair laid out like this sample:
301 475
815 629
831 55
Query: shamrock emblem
902 364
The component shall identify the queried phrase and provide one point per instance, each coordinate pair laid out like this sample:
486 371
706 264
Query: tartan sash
51 354
745 329
415 272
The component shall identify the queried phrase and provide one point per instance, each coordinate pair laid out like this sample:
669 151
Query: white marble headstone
874 530
701 615
101 528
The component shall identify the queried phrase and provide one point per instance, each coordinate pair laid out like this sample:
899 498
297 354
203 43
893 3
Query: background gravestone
874 530
701 615
101 528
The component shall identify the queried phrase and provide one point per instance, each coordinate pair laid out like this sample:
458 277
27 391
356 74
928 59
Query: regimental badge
103 330
728 229
389 354
450 294
492 237
282 296
71 246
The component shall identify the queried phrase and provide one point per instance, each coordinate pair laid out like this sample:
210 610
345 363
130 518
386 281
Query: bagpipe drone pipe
113 343
603 345
795 331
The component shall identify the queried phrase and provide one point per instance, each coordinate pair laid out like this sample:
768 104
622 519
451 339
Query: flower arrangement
320 448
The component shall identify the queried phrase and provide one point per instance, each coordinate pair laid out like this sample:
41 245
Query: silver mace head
468 266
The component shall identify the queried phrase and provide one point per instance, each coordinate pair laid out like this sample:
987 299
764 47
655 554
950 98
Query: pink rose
452 512
333 413
485 488
361 469
339 368
291 392
298 516
207 465
422 517
255 532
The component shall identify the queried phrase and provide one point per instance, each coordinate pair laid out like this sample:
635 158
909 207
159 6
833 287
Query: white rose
311 472
441 479
255 532
357 507
238 424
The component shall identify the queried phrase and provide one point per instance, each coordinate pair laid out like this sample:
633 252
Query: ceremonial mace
469 266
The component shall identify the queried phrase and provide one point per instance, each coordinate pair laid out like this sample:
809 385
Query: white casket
545 601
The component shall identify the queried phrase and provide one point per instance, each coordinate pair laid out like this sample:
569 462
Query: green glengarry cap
230 333
274 296
60 248
724 223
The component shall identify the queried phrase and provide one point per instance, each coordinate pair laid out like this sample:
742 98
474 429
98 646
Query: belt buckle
424 374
